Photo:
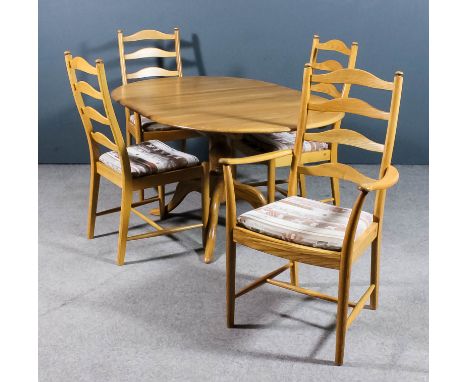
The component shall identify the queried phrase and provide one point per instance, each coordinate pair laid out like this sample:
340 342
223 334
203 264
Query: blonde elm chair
312 232
133 168
254 144
140 127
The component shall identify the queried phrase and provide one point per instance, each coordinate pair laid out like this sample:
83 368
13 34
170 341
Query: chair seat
149 125
150 157
281 141
304 221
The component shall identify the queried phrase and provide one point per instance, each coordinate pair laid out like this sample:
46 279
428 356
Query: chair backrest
335 46
90 115
150 52
346 136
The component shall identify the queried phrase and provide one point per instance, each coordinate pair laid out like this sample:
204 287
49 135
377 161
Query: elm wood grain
353 246
223 108
331 154
124 179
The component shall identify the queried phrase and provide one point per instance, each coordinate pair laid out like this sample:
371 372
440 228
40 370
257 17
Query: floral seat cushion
303 221
149 125
281 141
150 157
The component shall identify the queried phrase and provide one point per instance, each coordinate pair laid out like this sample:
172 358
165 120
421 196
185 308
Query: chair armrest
256 158
389 179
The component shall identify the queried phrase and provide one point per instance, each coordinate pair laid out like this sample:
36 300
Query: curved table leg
212 225
181 191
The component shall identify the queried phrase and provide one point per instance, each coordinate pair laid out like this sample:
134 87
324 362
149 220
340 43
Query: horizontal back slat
79 63
353 77
329 65
334 45
346 137
336 170
149 53
349 105
329 89
103 140
148 34
152 72
94 114
86 88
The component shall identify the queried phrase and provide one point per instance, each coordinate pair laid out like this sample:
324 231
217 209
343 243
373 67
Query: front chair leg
375 268
162 202
294 273
230 280
125 208
342 315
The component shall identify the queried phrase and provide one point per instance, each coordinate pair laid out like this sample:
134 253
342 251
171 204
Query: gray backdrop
263 39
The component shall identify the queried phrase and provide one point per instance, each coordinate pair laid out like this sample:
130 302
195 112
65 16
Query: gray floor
161 316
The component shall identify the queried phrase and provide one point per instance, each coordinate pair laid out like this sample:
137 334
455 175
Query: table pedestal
219 147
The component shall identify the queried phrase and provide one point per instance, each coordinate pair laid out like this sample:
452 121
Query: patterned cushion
303 221
150 157
281 141
149 125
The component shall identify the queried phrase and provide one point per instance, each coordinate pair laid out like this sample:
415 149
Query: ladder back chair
140 127
312 232
312 151
131 168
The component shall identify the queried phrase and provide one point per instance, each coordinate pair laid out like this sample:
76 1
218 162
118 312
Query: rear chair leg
335 186
375 270
271 184
126 205
303 185
342 315
294 273
230 280
162 202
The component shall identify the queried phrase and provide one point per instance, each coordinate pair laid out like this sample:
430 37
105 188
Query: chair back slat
328 89
335 170
336 46
149 34
100 138
152 72
149 53
329 65
349 105
86 88
345 137
92 113
352 77
79 63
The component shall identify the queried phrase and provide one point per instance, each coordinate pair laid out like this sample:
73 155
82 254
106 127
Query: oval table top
219 104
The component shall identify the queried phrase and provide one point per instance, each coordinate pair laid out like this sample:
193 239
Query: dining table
223 109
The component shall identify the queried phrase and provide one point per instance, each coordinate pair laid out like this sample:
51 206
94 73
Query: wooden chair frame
330 154
135 129
123 180
353 247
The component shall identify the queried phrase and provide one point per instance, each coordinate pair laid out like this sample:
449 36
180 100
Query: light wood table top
219 104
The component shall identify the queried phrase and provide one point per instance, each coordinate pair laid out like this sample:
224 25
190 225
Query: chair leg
162 202
294 273
342 314
303 185
125 207
335 186
205 199
271 184
230 280
93 200
375 270
128 137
